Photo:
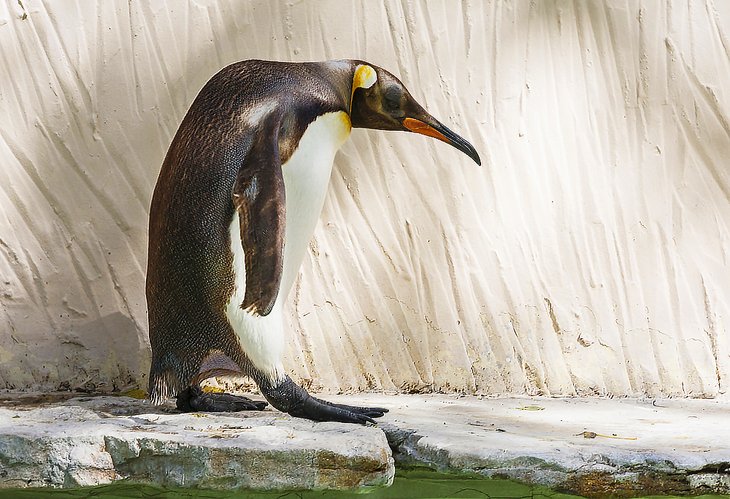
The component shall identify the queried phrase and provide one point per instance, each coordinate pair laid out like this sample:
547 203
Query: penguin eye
392 98
391 104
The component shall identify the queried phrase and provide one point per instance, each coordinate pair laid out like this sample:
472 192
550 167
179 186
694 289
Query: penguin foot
291 398
194 399
321 410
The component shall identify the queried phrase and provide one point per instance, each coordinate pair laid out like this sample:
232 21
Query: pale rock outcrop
97 441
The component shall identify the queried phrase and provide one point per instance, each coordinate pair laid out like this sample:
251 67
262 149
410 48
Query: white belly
306 177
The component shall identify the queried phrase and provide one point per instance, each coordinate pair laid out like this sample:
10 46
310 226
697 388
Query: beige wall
588 255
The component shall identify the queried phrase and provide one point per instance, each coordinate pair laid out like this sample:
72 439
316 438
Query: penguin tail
163 385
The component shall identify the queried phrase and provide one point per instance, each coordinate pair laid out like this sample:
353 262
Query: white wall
588 255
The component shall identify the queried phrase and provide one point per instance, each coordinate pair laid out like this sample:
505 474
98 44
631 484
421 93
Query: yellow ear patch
364 77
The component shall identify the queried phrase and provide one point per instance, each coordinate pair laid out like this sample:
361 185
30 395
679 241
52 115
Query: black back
189 270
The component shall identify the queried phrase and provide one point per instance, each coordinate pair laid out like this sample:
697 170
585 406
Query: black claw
194 399
375 412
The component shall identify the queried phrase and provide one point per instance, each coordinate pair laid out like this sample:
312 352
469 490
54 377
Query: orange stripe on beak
438 131
420 127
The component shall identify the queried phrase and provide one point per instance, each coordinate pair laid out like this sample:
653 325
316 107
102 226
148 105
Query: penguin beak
438 131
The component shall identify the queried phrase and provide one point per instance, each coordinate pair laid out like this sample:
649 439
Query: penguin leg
291 398
194 399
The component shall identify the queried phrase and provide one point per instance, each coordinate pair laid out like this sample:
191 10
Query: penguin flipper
260 200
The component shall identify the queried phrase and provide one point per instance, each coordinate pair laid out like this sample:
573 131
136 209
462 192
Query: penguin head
380 101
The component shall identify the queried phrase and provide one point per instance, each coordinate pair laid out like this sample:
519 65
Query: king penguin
234 208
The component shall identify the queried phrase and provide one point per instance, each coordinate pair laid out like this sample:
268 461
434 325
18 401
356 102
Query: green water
408 484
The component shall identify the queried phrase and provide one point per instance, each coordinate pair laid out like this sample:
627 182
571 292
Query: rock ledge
94 441
593 447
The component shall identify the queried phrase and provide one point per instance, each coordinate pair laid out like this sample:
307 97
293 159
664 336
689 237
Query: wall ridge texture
589 255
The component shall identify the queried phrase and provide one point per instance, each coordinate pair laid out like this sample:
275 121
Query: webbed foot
321 410
194 399
291 398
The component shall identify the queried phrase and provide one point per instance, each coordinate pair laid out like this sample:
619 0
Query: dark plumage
227 158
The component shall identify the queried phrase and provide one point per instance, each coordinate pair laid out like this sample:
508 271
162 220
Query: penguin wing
259 199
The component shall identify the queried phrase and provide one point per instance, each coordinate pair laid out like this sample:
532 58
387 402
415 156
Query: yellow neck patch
364 77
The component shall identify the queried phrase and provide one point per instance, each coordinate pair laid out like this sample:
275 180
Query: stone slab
93 441
592 447
589 446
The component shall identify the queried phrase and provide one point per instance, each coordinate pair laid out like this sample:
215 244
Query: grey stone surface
93 441
590 446
593 447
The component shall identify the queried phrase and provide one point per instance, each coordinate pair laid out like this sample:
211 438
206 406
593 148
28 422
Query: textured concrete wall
588 255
